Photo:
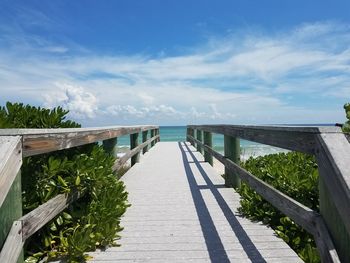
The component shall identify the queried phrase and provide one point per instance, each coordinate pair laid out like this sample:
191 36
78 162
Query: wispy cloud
242 78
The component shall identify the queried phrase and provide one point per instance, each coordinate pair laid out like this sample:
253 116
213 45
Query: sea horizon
177 133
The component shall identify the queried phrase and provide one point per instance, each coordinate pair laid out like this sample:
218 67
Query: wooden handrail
37 141
331 147
333 158
308 219
294 138
10 163
122 160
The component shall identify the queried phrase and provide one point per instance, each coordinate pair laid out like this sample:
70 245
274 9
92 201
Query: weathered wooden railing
330 227
18 143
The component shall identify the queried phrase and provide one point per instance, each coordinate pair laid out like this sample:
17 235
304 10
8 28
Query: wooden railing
18 143
330 227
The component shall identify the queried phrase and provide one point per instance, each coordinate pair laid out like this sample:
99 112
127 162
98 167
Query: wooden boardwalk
181 212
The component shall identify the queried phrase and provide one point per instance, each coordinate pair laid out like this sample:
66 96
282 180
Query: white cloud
281 77
81 103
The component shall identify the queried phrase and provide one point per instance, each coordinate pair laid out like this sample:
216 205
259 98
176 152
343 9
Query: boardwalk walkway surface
181 212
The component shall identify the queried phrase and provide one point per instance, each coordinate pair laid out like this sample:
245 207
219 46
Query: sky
162 62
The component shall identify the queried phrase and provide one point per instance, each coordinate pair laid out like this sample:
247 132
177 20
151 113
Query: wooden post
335 225
153 132
110 146
11 210
144 139
192 134
157 133
208 140
199 138
134 142
232 152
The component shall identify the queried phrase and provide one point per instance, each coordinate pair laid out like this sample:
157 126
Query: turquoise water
178 134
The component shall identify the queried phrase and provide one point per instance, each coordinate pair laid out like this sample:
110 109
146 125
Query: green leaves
18 115
91 221
294 174
346 126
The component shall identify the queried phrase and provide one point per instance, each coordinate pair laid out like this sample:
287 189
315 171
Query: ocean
178 134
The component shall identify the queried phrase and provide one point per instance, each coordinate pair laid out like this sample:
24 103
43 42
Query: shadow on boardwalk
213 241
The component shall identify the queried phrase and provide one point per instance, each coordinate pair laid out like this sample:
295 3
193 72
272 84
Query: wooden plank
92 130
10 163
122 160
41 215
185 216
293 138
302 215
13 245
37 141
232 152
11 208
10 184
333 160
324 243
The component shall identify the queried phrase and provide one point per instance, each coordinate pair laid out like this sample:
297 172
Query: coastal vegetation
90 222
346 126
294 174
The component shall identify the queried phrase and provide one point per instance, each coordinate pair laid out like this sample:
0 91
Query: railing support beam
134 142
232 152
10 211
144 139
208 140
110 146
199 138
153 133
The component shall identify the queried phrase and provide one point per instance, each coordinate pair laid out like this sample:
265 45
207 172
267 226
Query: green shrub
346 126
91 221
294 174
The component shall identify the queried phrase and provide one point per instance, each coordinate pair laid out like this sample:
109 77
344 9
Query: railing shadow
214 244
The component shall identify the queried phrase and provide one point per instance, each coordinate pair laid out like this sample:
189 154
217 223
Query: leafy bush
294 174
346 126
91 221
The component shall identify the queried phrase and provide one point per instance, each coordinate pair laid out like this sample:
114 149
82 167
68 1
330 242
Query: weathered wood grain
10 163
13 245
40 216
38 141
192 219
308 219
334 164
334 161
122 160
324 242
292 138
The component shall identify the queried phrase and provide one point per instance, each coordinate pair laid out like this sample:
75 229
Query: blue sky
178 62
